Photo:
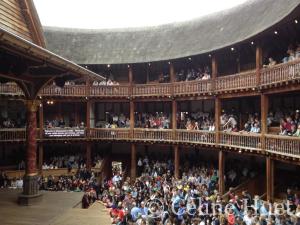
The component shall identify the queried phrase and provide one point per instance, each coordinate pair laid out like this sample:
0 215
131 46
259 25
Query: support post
221 172
30 193
41 120
176 161
131 119
130 80
259 62
88 156
41 158
270 178
174 117
133 162
172 77
88 117
264 100
217 118
214 67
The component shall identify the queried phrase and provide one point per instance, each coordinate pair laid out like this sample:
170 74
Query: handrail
280 73
241 140
277 144
236 81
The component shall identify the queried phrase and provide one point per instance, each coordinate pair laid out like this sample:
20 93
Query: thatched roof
171 41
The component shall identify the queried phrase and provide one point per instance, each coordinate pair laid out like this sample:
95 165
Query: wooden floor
56 208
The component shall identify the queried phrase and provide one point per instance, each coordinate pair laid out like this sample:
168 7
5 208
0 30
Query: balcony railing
112 91
244 80
193 87
283 145
10 89
161 89
110 133
240 140
203 137
12 134
283 72
152 134
67 90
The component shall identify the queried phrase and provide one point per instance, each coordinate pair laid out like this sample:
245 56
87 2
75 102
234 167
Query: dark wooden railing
67 90
110 133
193 87
161 89
153 134
283 72
12 134
283 145
243 80
113 91
10 89
240 140
195 136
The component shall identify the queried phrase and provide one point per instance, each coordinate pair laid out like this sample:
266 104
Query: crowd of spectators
60 123
156 197
289 123
108 82
196 121
12 123
114 120
158 120
67 161
193 74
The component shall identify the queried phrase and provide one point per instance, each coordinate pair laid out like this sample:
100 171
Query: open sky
97 14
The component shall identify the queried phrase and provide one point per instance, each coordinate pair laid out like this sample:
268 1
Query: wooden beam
270 178
221 172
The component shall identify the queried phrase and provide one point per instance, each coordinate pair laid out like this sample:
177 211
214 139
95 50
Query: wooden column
130 79
221 172
88 155
76 114
174 113
88 117
264 101
133 162
270 178
131 118
217 118
259 62
41 157
172 73
176 161
41 119
214 67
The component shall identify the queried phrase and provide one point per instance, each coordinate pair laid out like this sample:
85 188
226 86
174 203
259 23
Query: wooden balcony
110 91
276 144
281 73
246 80
12 134
110 133
240 140
195 137
148 90
283 145
10 89
67 90
161 135
193 87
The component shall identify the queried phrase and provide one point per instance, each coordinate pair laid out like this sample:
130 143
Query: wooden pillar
88 117
217 118
270 178
174 115
41 119
41 157
264 101
176 161
172 73
76 114
133 162
131 118
214 67
130 79
221 172
88 156
259 62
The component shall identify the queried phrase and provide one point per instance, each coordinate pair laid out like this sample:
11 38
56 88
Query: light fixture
128 66
108 65
232 48
190 58
169 62
40 97
296 21
209 55
240 151
86 98
252 42
275 32
149 64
